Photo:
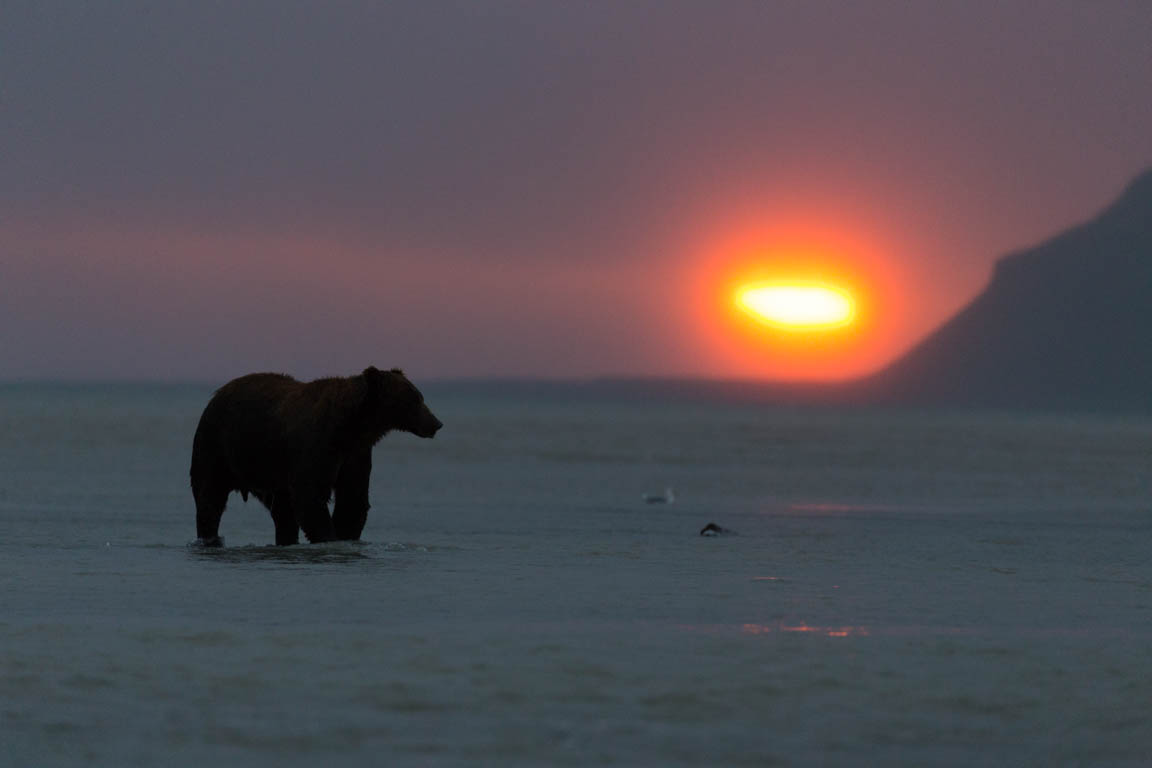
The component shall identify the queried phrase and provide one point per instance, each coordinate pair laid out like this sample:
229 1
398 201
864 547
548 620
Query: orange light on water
802 628
798 306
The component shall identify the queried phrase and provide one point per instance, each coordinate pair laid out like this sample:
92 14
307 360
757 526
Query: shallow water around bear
906 588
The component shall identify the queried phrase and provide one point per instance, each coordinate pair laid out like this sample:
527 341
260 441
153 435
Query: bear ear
375 389
385 384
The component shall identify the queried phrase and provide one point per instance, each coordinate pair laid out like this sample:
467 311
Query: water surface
906 588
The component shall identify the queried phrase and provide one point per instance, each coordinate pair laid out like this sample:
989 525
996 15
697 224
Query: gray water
906 588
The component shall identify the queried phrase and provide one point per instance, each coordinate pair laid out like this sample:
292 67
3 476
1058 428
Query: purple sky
200 190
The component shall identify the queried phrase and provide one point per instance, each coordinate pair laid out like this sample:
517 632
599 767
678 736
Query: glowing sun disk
798 306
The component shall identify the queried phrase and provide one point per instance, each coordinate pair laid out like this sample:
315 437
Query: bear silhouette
291 444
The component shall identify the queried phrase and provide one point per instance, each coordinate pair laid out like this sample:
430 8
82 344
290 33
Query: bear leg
287 531
350 510
311 512
211 499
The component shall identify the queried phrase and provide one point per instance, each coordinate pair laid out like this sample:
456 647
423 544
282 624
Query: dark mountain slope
1065 324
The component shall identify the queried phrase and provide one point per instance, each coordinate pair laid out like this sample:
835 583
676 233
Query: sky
197 190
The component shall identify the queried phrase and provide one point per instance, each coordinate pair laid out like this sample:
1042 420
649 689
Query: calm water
907 588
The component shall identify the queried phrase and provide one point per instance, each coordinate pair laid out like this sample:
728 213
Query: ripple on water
301 554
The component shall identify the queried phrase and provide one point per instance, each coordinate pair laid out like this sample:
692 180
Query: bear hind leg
311 514
287 531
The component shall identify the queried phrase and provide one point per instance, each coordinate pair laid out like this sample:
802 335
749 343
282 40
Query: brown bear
291 444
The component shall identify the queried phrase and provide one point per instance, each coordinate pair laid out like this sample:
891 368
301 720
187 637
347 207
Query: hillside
1067 323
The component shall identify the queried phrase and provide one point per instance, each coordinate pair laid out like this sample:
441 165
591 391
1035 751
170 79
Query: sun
791 293
797 306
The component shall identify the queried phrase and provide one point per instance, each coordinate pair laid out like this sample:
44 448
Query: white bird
660 498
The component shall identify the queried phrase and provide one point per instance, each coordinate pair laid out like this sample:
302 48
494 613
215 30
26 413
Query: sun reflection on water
768 629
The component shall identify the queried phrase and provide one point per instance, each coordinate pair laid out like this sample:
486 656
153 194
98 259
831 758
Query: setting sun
792 294
798 306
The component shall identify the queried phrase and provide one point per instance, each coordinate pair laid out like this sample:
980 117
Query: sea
897 587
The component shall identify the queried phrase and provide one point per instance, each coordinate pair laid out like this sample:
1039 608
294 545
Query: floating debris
716 530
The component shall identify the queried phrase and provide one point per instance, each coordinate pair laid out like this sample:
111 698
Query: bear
291 444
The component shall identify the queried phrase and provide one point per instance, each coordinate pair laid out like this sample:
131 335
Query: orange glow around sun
793 296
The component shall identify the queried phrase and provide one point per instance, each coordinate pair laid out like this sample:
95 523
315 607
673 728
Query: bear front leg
350 510
311 510
211 499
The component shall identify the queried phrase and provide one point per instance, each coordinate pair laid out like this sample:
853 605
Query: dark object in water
716 530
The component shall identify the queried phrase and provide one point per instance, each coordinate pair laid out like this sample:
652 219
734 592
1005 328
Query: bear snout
429 425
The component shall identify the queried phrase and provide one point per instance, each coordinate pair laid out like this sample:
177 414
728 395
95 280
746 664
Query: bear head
393 402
